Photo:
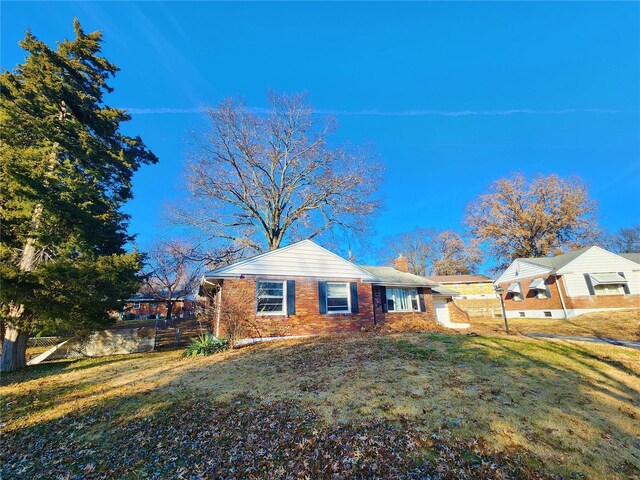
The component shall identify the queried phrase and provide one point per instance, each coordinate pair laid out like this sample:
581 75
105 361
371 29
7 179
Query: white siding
519 270
302 259
598 260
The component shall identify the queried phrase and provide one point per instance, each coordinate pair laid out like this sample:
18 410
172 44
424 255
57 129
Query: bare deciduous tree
521 217
171 273
625 240
430 252
259 178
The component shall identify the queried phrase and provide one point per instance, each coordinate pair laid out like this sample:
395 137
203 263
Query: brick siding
307 319
530 301
383 317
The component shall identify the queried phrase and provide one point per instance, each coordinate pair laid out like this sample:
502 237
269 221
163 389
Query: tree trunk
14 348
28 259
169 310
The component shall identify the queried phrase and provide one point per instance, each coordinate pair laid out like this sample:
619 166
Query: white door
442 310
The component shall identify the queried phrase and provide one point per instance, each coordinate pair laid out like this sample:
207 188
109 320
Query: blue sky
451 95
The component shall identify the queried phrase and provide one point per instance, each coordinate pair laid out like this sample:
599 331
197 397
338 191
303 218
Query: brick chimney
401 263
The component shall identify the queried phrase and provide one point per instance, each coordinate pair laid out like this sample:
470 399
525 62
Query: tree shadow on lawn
48 369
359 406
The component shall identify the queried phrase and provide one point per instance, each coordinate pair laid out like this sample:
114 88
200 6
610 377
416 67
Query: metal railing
45 341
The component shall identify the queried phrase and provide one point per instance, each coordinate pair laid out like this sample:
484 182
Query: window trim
411 298
138 305
619 289
284 297
326 300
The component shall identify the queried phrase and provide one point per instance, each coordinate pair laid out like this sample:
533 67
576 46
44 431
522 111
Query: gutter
564 307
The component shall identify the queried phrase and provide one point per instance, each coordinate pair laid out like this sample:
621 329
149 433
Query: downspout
564 307
219 312
373 291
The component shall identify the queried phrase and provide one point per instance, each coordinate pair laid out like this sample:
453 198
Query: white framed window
608 289
539 286
402 300
338 297
271 297
136 305
516 292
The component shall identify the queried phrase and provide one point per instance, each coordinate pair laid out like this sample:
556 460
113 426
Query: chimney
401 263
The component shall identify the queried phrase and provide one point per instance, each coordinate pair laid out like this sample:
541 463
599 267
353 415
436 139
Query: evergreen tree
66 171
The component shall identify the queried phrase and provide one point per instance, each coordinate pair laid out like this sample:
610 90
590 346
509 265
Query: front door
442 310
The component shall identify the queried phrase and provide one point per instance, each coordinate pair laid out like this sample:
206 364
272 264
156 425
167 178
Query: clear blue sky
452 95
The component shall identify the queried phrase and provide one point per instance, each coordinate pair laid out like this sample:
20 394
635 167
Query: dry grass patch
561 408
622 324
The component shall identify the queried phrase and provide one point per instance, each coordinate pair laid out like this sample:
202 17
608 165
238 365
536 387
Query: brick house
304 289
477 295
586 280
154 305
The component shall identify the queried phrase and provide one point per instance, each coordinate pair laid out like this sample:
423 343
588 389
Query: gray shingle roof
445 292
459 278
556 262
391 276
634 257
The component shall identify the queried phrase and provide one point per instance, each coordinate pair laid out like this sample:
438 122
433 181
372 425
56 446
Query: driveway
607 341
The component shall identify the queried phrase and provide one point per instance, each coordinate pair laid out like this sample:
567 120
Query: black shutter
624 285
423 307
291 297
383 297
547 288
322 297
354 297
587 278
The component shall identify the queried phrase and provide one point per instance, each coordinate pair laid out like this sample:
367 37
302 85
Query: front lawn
426 405
620 324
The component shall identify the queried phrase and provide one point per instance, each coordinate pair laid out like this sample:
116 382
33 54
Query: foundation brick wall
456 313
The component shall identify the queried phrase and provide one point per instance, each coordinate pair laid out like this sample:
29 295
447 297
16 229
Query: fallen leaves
247 438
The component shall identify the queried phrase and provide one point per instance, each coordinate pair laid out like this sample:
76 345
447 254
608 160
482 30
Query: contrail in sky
399 113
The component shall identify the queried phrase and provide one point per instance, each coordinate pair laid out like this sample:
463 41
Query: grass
399 405
622 324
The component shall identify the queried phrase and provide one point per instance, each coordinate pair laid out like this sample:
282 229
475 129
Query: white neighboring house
587 280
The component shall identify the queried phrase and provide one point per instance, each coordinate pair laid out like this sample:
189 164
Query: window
516 292
604 289
547 314
402 300
136 305
521 314
270 297
338 298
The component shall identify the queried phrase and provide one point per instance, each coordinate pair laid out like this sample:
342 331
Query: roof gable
522 268
594 259
301 259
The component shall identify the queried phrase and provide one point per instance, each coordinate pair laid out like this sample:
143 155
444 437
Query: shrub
206 345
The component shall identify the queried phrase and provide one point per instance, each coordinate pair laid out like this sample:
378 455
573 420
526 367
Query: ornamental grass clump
206 345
